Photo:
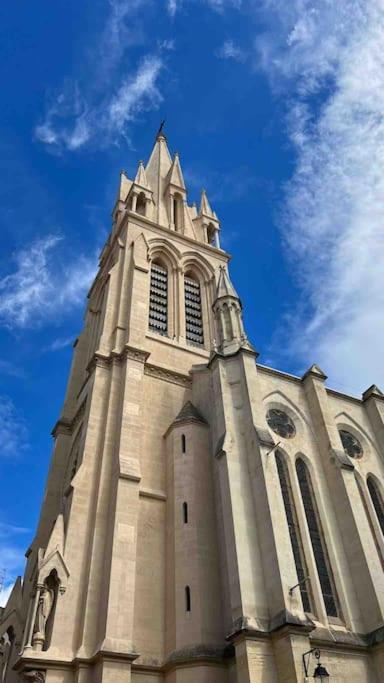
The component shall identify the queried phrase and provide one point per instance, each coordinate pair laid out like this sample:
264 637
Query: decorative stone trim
264 437
341 459
219 450
34 676
152 493
67 426
168 375
129 469
199 653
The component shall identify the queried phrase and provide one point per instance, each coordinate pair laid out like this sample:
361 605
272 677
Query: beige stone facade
177 521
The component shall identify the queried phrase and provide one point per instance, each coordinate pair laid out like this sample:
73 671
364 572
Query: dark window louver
158 300
318 544
377 501
193 316
294 532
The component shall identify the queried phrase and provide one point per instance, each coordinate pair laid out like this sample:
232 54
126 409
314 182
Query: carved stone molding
340 459
264 437
168 375
135 354
34 676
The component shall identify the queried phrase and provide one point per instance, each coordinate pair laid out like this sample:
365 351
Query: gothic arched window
193 313
158 299
377 501
317 539
294 531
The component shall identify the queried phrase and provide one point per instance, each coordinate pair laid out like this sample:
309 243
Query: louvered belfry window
158 299
294 531
193 314
317 539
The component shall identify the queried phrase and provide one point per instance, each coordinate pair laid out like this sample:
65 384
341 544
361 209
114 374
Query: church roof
189 413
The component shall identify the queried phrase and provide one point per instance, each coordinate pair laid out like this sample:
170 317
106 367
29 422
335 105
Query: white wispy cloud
329 59
13 434
98 108
174 6
72 121
43 286
229 50
11 557
59 343
135 95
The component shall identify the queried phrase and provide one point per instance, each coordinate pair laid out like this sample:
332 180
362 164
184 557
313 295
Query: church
206 519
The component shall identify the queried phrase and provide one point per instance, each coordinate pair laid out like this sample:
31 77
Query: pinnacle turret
205 207
175 175
141 176
227 308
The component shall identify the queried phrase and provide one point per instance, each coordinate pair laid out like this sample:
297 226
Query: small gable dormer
207 223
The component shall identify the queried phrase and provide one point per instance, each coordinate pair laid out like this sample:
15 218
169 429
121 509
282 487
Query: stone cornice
168 375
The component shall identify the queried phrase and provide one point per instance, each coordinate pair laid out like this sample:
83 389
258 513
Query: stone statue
44 609
5 652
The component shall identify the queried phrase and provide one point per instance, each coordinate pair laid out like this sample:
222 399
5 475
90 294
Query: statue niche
45 612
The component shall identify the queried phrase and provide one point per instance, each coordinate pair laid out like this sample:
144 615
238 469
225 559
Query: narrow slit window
141 204
317 539
193 313
377 501
294 532
183 443
187 599
158 300
185 513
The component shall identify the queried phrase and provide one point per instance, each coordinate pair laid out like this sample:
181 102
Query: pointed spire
225 286
157 170
141 176
175 175
205 207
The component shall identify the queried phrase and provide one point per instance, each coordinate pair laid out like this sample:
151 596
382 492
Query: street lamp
320 672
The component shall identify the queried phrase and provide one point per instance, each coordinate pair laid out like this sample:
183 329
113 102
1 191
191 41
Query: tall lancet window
317 539
377 501
294 531
158 299
193 314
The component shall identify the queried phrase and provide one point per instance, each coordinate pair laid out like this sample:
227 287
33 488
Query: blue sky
276 108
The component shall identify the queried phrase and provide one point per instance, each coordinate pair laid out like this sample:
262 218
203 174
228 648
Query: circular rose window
351 445
281 423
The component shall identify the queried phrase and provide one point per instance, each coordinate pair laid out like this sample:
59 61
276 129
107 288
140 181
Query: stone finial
314 371
374 391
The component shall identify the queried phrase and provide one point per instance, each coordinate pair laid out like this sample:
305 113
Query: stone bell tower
206 519
107 574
